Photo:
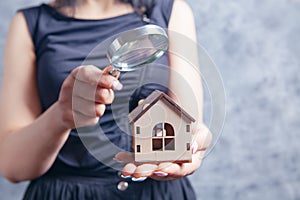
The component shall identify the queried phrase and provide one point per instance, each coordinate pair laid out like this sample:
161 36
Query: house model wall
161 130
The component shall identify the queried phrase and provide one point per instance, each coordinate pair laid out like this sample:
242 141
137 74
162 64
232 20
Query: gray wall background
255 45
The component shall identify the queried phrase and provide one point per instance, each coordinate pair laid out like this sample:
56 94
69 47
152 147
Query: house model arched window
161 130
163 137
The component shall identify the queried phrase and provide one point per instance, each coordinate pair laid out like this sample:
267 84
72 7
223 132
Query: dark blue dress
84 168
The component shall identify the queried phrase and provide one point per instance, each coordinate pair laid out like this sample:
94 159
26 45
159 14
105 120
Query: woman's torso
62 43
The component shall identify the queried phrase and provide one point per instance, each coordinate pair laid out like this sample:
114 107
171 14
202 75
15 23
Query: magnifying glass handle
111 71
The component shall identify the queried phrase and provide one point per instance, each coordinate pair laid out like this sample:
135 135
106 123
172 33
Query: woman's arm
28 143
29 140
185 81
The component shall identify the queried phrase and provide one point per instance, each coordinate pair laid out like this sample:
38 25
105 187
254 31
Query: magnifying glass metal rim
133 35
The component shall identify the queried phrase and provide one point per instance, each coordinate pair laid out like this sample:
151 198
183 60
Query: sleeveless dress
61 44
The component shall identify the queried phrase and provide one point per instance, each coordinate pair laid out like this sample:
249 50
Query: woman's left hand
168 170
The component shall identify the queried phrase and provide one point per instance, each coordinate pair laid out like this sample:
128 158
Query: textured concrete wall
255 45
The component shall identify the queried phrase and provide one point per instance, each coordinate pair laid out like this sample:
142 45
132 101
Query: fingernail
138 179
116 85
162 174
123 176
194 147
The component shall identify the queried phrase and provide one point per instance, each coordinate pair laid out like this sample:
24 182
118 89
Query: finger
202 138
93 92
199 155
109 82
166 171
104 96
87 107
124 157
109 70
94 76
190 168
172 169
87 74
144 170
129 169
177 171
85 90
141 101
81 120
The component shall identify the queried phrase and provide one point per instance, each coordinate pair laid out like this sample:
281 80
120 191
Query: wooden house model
161 130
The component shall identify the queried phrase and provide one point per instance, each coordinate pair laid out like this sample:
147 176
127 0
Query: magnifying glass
135 48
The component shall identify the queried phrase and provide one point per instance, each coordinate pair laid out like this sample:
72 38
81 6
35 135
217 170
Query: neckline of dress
63 16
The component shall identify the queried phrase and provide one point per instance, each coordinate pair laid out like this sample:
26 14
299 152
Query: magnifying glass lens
137 52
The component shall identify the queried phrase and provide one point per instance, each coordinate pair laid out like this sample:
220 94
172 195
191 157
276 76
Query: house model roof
150 101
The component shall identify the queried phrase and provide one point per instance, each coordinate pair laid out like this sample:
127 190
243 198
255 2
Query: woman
45 48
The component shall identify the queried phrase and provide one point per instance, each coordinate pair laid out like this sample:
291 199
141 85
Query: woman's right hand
84 94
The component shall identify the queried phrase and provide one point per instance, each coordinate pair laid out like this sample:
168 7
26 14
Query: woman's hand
84 94
168 170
